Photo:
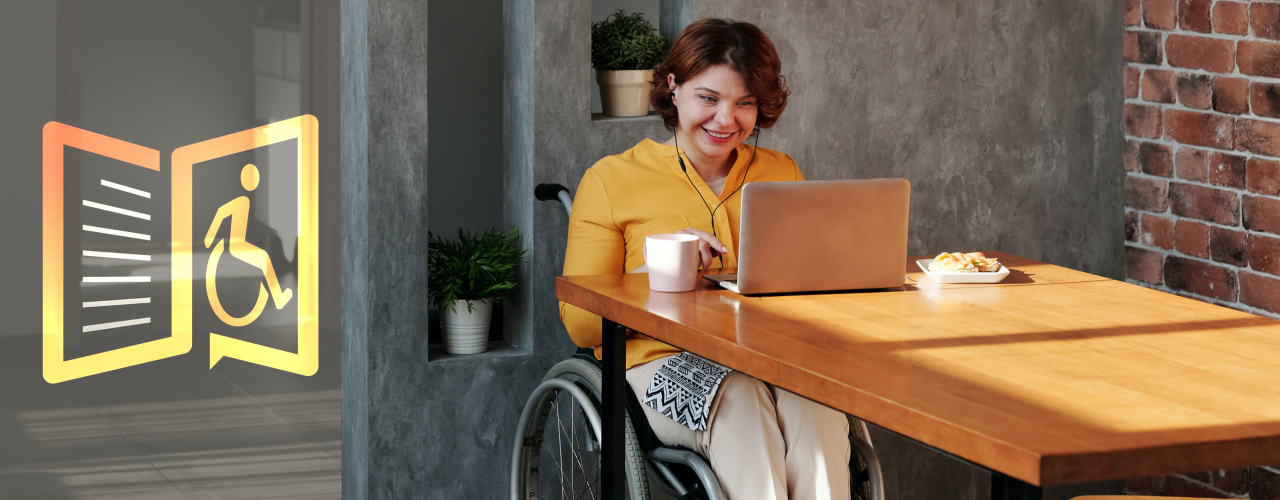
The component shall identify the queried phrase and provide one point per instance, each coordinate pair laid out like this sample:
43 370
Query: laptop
812 236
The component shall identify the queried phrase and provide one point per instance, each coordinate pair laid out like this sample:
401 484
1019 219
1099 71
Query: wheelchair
557 445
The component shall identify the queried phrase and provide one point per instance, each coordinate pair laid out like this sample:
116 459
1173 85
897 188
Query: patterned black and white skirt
684 388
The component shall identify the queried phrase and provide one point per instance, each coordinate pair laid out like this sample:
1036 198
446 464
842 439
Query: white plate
957 277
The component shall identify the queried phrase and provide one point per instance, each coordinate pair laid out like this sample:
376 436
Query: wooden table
1053 376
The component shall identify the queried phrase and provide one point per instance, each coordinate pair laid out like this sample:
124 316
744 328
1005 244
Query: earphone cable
710 211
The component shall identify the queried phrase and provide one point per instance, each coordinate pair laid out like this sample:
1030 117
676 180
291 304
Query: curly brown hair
742 47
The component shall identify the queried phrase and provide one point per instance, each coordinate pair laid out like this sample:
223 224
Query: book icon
185 160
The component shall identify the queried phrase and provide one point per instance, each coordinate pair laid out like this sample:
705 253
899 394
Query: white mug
673 262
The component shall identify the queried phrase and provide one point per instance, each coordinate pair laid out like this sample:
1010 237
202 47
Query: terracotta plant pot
466 332
624 93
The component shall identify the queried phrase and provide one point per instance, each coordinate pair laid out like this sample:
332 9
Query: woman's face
716 111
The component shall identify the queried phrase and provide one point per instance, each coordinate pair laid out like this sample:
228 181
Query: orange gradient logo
304 129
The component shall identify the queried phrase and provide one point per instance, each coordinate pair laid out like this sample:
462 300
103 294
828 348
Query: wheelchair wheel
557 452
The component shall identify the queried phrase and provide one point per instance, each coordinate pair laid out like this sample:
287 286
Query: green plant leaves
473 267
626 42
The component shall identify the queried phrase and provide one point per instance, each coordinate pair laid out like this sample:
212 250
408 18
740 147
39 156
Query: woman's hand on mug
708 246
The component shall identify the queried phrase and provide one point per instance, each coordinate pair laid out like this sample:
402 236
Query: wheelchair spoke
588 490
577 459
578 481
573 453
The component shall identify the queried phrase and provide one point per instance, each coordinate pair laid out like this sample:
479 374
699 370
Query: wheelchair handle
549 192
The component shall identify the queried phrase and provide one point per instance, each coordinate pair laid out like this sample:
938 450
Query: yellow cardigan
641 192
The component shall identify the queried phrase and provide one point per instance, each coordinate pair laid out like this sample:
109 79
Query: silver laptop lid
823 235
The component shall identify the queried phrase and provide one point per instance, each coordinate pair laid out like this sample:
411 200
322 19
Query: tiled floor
174 429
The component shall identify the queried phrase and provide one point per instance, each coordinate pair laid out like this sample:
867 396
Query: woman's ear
671 81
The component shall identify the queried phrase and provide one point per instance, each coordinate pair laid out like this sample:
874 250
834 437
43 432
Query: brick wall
1202 185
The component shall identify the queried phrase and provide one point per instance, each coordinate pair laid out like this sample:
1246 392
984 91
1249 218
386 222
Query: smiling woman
720 82
727 79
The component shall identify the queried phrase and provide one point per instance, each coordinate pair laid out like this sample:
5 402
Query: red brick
1231 18
1265 19
1145 194
1258 136
1228 246
1204 203
1143 265
1156 159
1192 164
1131 156
1160 14
1262 292
1200 278
1226 170
1131 77
1264 253
1195 91
1132 12
1262 213
1230 480
1265 98
1262 176
1157 86
1143 121
1157 231
1200 129
1258 58
1193 15
1231 95
1192 238
1142 47
1130 225
1197 52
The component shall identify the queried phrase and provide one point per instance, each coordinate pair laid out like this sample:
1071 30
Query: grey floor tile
316 414
35 432
289 471
204 418
129 477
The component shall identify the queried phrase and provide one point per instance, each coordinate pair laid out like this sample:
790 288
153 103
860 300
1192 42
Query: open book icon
57 368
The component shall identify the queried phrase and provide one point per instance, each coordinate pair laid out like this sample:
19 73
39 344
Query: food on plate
974 262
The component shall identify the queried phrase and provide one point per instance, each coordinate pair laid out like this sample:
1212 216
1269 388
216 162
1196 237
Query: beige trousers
763 442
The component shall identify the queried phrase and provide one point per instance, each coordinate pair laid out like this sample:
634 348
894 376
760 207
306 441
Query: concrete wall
465 78
412 427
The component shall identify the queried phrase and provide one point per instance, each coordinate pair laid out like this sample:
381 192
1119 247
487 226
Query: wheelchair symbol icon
238 211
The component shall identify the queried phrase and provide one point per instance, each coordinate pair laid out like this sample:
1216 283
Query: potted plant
624 50
466 277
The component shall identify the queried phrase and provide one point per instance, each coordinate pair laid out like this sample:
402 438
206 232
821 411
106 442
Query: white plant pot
624 93
466 332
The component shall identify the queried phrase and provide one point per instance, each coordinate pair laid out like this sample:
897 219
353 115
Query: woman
720 82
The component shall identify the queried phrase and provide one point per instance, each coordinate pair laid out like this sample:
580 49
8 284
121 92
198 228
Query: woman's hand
708 246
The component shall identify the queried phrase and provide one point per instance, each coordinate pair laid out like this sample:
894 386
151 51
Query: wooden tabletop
1053 376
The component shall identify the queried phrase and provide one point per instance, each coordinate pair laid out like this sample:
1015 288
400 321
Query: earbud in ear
673 93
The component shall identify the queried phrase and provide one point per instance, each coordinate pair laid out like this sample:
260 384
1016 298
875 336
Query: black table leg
613 479
1006 488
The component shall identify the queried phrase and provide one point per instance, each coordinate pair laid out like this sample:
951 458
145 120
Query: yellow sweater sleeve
595 246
